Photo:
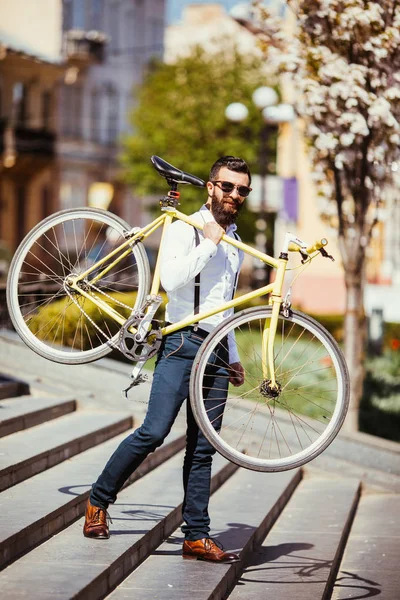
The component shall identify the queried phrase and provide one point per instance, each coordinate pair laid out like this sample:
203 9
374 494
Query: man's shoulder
181 230
178 225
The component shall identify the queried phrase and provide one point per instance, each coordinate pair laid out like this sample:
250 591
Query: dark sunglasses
227 187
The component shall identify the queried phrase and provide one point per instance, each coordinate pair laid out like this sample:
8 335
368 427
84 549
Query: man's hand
237 374
213 232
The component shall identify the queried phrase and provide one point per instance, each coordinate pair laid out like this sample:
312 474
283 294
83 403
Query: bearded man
199 272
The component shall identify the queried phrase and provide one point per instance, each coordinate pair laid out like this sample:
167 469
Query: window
79 14
128 25
114 20
112 115
72 111
96 15
19 103
46 109
67 15
157 35
95 116
140 24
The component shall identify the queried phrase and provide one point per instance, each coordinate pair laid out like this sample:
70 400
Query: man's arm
237 371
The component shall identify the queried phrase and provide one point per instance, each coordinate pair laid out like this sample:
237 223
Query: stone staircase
329 530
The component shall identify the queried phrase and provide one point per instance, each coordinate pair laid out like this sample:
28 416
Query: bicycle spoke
273 425
45 306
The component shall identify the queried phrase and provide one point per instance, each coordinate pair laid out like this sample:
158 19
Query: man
189 260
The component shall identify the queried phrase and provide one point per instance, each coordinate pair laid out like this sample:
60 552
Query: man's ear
210 187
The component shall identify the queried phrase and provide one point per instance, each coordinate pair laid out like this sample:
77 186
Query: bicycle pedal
140 379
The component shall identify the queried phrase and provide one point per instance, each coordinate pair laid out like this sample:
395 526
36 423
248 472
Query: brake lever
304 257
326 255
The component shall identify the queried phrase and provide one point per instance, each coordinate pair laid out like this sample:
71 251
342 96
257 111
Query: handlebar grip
314 248
317 246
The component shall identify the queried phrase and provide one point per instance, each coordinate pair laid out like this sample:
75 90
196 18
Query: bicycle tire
275 434
46 256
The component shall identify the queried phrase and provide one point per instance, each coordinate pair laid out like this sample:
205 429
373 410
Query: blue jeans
169 390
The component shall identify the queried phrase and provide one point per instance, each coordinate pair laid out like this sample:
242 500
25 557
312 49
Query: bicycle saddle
174 175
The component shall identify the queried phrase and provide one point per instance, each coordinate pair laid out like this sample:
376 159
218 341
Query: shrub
71 329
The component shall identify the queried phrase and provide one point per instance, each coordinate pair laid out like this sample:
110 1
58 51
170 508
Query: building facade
108 44
30 69
68 71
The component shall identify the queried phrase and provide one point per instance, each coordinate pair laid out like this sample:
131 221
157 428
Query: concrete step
242 511
11 387
371 477
29 452
69 565
300 556
98 383
370 564
27 411
366 451
50 501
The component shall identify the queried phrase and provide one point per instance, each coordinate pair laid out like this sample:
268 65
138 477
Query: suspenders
197 280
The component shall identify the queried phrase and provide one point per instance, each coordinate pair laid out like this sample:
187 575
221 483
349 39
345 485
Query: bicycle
296 390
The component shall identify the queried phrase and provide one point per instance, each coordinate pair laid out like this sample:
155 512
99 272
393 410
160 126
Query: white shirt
181 260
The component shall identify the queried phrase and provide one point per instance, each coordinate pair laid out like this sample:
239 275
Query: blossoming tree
344 60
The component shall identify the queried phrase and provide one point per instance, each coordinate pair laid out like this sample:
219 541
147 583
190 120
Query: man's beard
223 214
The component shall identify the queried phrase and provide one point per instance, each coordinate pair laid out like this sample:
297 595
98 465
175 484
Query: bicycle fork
270 328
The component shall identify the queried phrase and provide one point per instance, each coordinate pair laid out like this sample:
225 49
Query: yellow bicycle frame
165 220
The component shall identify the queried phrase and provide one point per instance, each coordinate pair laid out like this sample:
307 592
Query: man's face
225 206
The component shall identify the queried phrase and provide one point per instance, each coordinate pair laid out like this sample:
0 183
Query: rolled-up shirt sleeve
232 346
180 259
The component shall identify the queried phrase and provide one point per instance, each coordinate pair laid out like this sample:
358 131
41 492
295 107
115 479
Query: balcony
84 48
26 140
23 150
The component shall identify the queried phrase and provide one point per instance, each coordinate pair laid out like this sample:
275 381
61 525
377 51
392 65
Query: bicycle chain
108 296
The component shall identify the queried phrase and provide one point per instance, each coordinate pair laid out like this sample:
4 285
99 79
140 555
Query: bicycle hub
269 391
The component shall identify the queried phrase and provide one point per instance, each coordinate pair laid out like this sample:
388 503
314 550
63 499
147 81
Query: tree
180 116
345 63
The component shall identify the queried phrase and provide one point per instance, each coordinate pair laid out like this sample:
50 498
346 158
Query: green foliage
180 116
333 323
380 404
61 322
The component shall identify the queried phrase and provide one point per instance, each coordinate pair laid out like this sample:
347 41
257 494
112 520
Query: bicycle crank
139 350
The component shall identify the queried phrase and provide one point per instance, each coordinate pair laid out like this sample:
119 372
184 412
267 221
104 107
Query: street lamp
274 114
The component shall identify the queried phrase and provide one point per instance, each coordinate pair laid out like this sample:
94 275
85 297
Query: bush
333 323
72 330
380 404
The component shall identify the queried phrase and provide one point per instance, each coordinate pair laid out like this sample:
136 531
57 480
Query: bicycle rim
54 321
263 432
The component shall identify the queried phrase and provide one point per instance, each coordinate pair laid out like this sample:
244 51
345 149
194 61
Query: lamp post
274 114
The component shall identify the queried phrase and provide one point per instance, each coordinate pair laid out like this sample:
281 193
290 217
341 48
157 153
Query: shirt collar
208 217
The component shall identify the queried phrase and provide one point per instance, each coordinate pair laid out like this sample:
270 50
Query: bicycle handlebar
293 247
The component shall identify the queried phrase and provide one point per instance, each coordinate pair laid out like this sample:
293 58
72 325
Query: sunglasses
227 187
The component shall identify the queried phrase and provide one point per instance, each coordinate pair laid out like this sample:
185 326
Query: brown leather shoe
95 522
207 549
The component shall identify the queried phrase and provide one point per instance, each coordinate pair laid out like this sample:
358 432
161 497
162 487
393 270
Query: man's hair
232 163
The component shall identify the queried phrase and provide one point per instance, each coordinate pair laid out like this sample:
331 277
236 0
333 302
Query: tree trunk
355 343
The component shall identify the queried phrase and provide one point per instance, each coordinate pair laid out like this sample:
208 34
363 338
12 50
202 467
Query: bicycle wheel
56 322
263 431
